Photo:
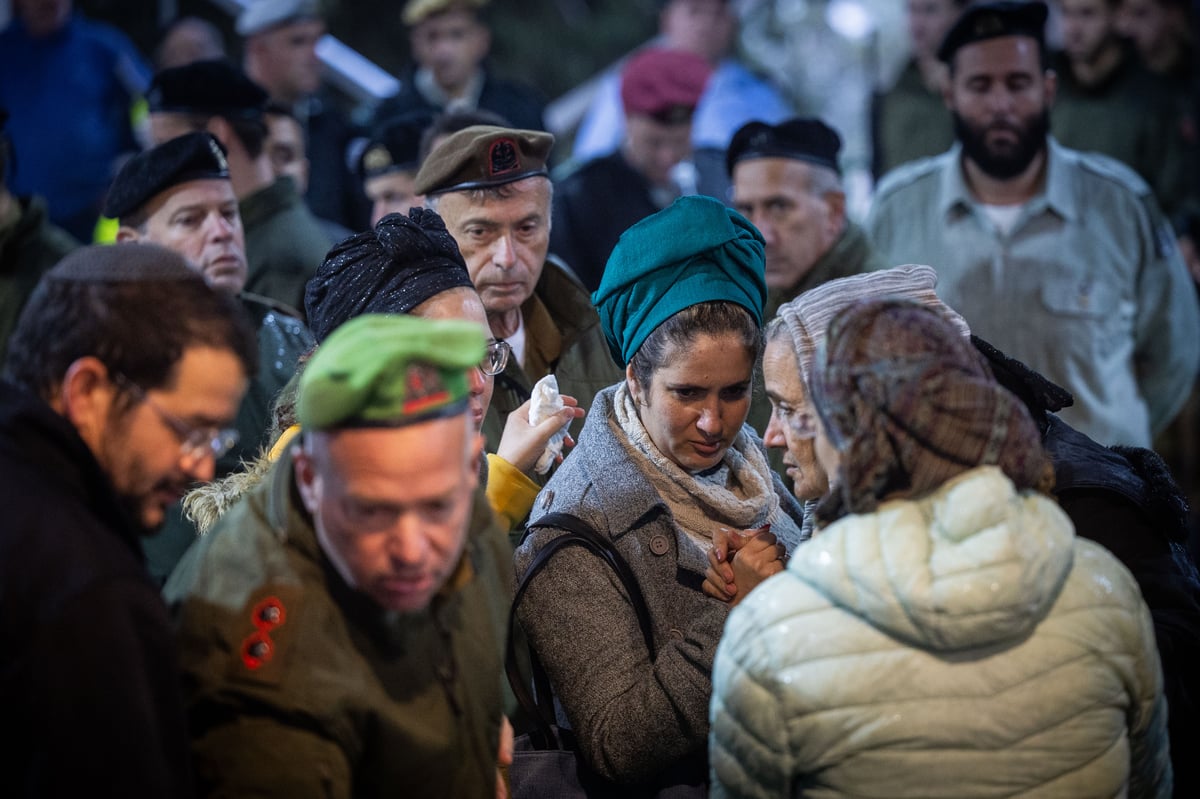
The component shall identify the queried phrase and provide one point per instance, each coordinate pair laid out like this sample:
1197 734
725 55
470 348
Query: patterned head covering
393 268
909 404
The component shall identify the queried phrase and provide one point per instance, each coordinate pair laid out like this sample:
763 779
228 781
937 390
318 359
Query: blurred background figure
281 39
823 54
595 203
389 163
909 119
1107 102
70 85
188 39
450 41
29 244
735 94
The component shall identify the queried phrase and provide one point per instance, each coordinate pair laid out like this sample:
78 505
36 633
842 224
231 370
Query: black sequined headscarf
393 268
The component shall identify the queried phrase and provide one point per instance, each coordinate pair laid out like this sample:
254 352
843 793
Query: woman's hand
739 560
522 443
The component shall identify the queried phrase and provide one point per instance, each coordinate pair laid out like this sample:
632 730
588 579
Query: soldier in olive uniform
179 195
491 186
285 243
342 627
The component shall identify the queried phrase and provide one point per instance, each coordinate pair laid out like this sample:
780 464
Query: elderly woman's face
697 400
793 420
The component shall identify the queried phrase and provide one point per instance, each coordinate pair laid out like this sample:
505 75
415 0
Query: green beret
695 250
993 20
483 156
388 370
192 156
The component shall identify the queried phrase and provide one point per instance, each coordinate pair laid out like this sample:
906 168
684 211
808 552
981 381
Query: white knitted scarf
738 493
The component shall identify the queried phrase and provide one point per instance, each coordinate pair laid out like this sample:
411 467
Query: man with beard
1059 258
123 375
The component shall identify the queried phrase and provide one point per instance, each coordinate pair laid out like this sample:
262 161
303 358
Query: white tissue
547 402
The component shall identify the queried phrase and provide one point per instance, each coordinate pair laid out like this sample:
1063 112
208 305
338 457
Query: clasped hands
741 559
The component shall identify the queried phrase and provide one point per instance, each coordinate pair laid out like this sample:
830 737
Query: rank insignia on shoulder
258 648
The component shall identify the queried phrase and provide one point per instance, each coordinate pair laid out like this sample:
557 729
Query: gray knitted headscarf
808 316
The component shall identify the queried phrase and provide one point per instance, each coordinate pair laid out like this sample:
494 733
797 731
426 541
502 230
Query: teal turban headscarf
695 250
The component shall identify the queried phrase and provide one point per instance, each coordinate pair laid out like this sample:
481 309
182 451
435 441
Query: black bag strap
578 533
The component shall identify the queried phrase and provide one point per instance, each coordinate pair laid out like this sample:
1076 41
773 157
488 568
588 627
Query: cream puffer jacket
963 645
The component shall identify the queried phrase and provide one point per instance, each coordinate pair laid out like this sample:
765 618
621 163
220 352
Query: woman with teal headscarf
663 462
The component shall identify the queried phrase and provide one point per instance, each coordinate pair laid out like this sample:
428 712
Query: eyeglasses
195 442
496 359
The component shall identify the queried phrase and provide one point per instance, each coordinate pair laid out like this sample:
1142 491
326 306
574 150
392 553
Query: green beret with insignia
483 156
993 20
192 156
389 370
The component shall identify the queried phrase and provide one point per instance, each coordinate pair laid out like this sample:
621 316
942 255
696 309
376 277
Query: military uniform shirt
1089 288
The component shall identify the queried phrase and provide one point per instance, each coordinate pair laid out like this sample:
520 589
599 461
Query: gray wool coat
639 719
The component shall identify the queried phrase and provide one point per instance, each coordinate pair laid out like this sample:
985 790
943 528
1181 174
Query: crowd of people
400 459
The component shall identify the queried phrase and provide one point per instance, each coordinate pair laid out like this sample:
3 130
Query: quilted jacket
965 644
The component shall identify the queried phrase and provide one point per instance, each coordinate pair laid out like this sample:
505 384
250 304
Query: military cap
417 11
395 146
801 139
213 87
664 84
388 370
993 20
192 156
483 156
262 15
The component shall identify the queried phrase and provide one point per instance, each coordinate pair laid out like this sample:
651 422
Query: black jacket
1125 499
593 206
88 671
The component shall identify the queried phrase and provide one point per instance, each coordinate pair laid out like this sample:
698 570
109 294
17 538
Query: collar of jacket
268 201
31 432
1057 195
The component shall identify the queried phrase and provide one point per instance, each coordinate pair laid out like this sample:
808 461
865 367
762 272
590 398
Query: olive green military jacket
564 338
297 686
909 122
284 243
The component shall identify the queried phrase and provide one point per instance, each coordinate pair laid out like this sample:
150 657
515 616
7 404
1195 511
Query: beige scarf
738 493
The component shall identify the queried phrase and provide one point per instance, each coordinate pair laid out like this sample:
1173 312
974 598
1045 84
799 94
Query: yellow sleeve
509 492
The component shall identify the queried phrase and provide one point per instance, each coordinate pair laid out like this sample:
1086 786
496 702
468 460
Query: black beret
993 20
215 87
395 145
192 156
803 139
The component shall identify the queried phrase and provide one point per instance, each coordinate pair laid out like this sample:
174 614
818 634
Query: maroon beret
664 84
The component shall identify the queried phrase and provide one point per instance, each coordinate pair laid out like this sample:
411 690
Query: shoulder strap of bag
578 533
